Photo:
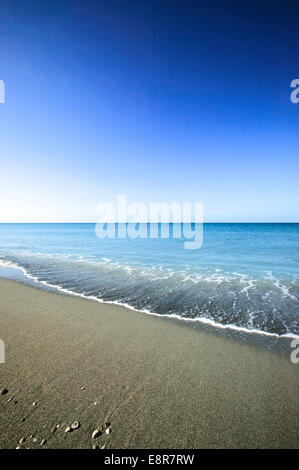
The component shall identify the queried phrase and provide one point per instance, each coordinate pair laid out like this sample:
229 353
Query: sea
245 277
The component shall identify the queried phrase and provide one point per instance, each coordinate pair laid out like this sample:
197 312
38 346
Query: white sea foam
250 285
285 291
203 320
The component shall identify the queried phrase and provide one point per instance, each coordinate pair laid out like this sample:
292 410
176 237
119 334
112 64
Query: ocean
244 277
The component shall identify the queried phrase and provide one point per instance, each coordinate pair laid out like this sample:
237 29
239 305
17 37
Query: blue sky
159 100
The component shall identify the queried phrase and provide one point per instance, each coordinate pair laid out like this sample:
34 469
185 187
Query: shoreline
197 320
159 383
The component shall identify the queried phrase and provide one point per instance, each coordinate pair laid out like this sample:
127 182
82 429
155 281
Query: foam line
203 320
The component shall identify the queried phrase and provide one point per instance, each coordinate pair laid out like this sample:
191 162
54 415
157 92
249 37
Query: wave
165 275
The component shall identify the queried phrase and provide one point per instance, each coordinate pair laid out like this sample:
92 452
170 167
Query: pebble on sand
22 440
96 433
94 446
75 425
34 403
43 442
68 429
108 431
3 391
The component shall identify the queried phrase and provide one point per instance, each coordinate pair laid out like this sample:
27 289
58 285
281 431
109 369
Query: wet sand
159 383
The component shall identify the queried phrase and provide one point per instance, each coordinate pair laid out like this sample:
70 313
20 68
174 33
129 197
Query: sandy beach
159 384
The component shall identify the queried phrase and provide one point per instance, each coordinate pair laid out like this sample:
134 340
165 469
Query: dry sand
159 383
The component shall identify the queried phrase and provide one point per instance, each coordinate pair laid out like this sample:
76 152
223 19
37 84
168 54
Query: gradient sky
160 100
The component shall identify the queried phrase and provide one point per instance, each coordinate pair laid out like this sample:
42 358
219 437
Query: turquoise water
244 276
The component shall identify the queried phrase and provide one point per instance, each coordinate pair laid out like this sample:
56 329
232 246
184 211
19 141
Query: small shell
68 429
96 433
94 446
34 403
22 440
3 391
43 442
108 431
75 425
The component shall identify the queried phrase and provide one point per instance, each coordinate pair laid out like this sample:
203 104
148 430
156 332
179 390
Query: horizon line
209 222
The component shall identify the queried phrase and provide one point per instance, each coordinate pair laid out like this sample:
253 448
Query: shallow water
245 276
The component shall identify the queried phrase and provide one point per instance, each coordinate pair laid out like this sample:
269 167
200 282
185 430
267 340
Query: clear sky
160 100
